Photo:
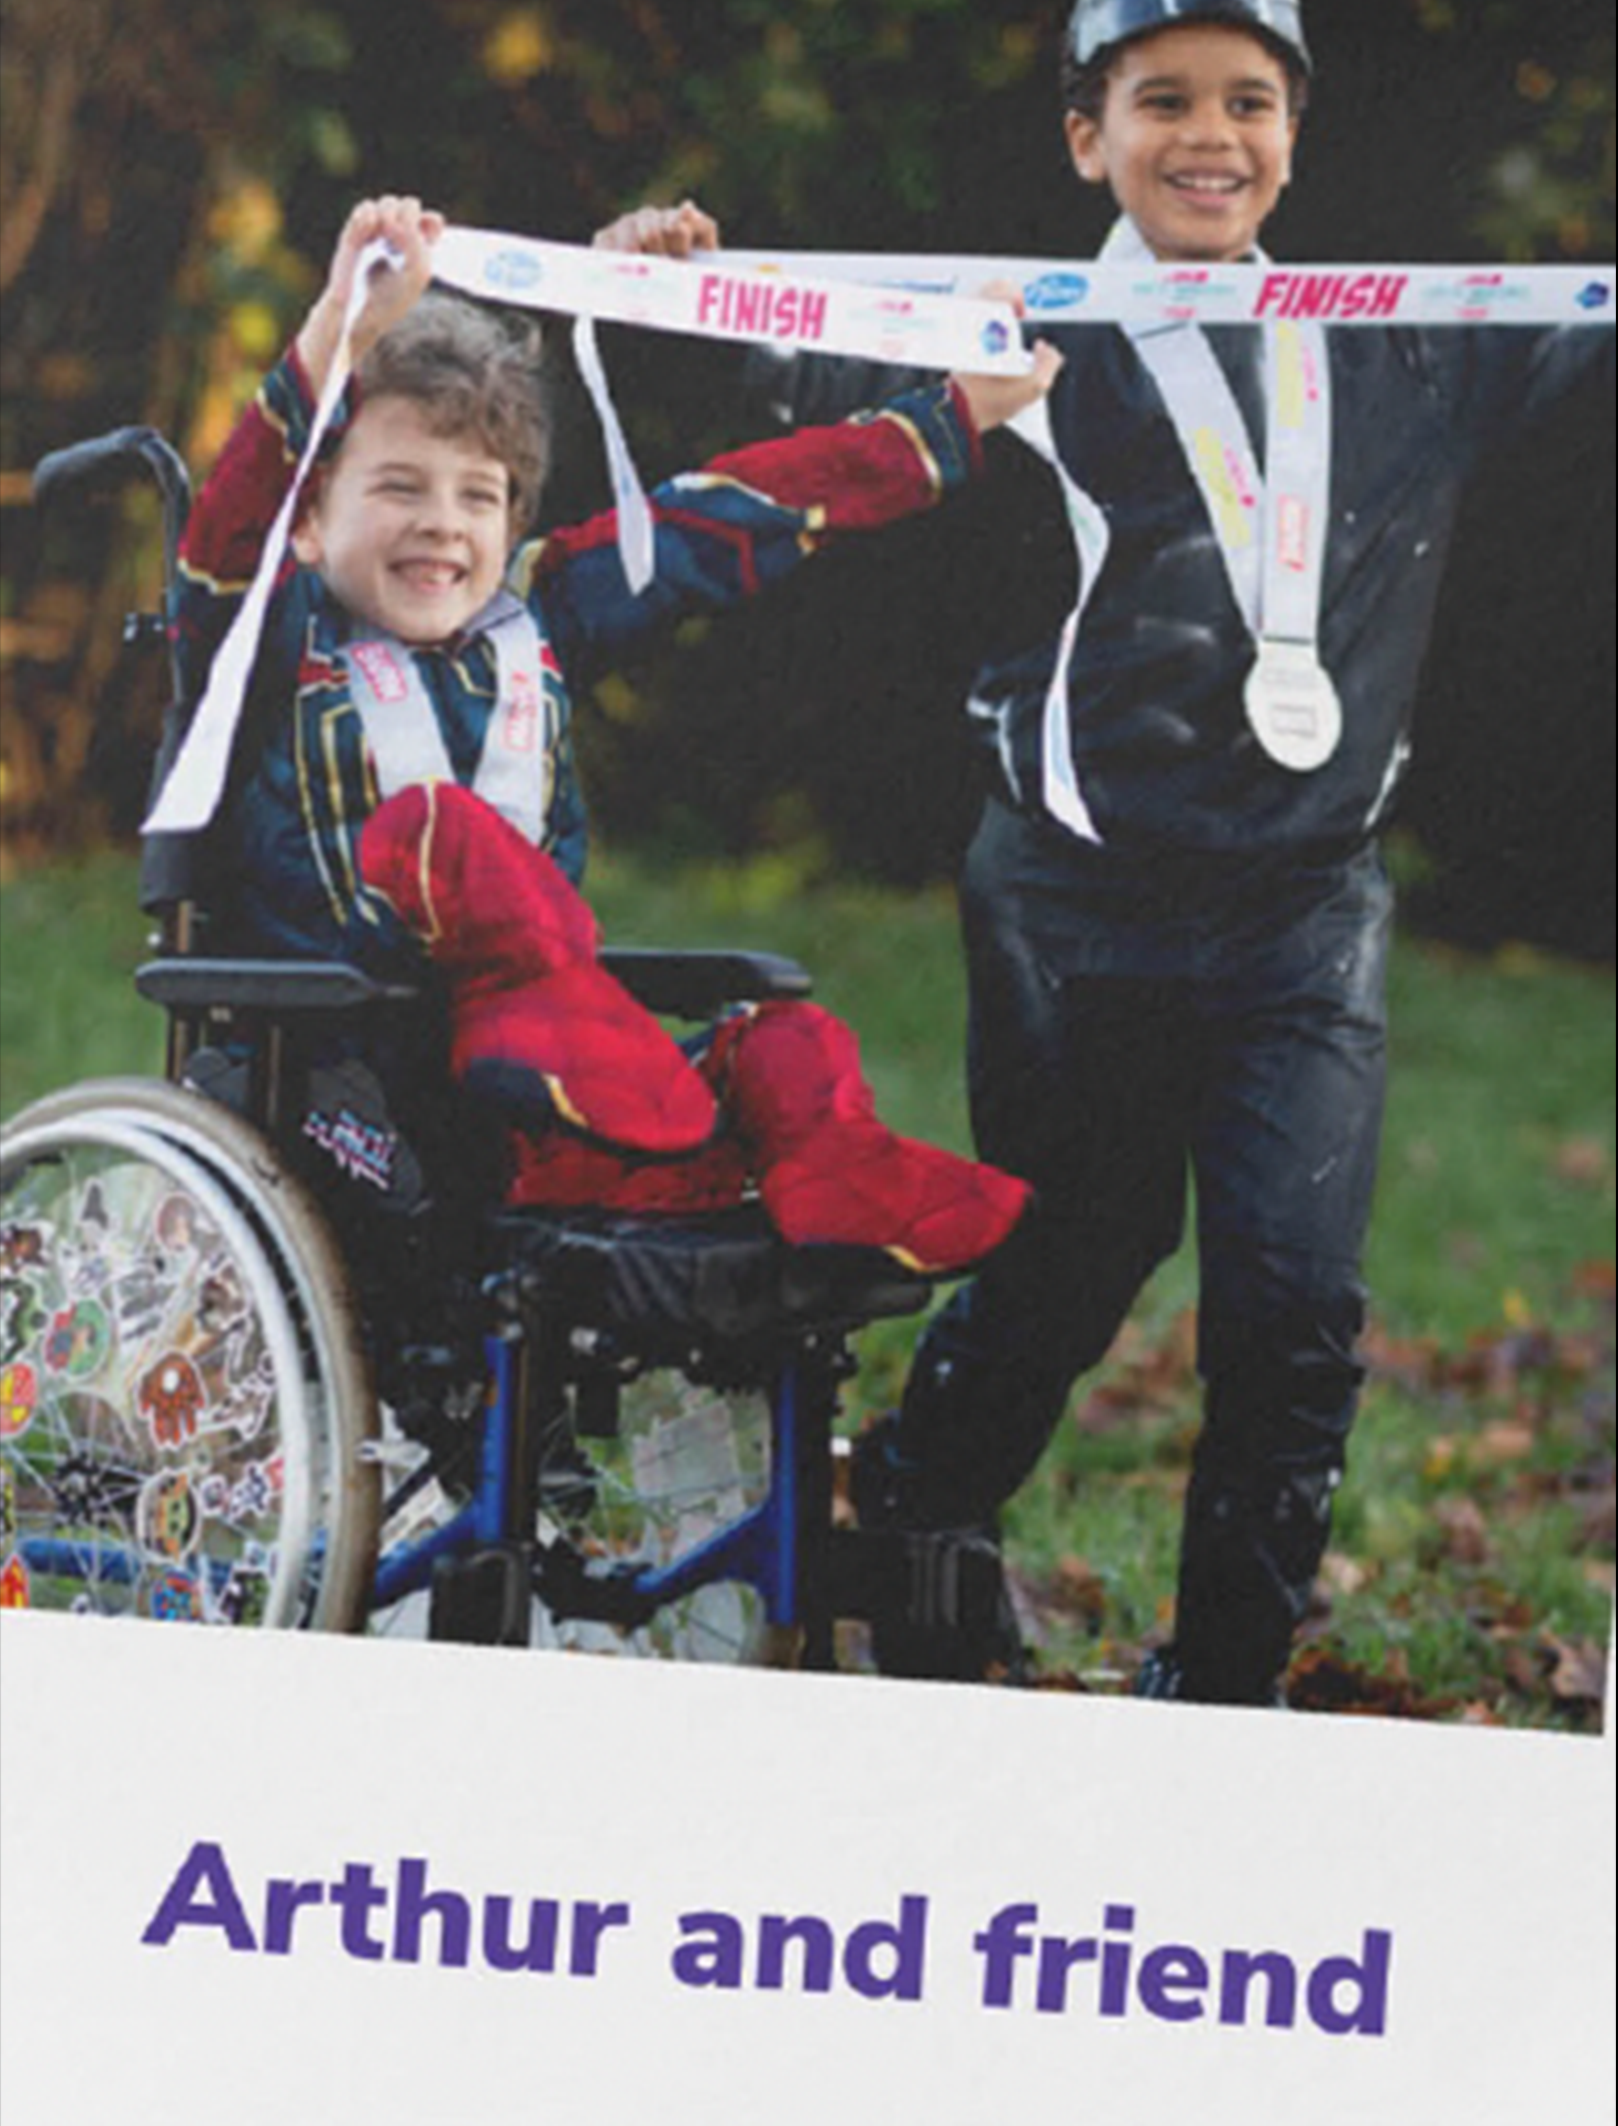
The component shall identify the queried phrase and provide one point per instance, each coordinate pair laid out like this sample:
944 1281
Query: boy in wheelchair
406 788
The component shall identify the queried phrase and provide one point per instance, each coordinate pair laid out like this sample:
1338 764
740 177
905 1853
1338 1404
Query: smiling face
410 528
1195 139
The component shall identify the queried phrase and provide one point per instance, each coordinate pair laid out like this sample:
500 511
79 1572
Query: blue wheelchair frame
761 1548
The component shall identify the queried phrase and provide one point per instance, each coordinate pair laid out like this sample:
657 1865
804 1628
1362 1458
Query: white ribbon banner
1151 292
797 306
907 311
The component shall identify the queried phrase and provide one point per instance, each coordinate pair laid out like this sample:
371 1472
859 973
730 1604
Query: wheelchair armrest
694 985
690 985
197 984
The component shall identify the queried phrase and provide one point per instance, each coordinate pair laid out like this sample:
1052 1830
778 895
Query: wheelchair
272 1355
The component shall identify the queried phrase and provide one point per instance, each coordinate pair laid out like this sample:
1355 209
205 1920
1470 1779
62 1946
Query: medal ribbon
402 733
1270 521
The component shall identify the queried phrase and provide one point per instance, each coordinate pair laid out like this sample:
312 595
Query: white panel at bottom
276 1879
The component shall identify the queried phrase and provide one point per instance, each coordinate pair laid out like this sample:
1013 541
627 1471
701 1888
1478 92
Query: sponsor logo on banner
1595 297
513 271
1056 291
1480 293
1178 292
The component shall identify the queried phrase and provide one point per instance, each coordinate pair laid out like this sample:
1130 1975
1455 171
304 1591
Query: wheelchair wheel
182 1397
683 1461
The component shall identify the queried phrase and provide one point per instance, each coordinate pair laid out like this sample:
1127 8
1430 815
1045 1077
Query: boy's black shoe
937 1598
1160 1675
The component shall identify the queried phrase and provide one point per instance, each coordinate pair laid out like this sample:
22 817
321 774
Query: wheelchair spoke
685 1461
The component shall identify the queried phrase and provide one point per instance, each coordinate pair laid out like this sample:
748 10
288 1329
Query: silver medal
1292 705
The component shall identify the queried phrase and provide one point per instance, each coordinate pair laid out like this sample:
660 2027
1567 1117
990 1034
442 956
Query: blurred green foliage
172 176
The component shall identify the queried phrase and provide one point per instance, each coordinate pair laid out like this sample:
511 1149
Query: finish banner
907 311
1146 291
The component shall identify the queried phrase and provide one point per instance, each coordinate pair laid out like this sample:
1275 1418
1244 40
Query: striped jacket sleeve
746 519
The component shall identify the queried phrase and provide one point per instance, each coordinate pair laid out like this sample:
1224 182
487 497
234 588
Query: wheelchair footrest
573 1588
484 1598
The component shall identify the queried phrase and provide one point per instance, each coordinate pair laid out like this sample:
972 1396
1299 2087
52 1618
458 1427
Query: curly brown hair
472 374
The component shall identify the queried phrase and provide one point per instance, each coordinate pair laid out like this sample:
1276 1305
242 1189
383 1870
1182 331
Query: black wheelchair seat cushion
724 1276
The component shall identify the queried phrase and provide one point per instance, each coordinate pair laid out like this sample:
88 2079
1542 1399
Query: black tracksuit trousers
1134 1027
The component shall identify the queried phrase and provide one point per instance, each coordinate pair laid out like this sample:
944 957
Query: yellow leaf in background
247 219
1535 82
256 330
618 699
217 412
1516 1310
1440 1458
519 46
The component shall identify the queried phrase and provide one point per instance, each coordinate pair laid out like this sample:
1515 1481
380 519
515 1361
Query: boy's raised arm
411 230
239 500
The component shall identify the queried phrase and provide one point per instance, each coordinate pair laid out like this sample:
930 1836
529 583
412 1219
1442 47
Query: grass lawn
1471 1570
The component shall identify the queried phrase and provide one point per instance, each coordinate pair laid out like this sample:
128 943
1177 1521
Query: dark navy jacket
302 783
1161 745
1165 760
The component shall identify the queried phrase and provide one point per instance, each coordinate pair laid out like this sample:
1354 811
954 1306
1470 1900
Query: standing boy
1175 913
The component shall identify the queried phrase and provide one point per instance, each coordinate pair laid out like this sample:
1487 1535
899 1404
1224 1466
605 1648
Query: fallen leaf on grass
1524 1668
1583 1161
1596 1280
1060 1679
1321 1680
1411 1360
1463 1532
1579 1672
1147 1376
1508 1439
1079 1589
1443 1451
1498 1612
1598 1520
1573 1672
1343 1575
1495 1362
